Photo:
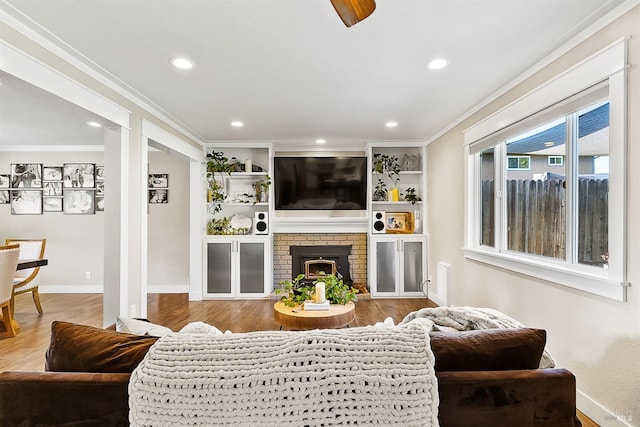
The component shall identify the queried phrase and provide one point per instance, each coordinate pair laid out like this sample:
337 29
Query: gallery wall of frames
73 188
34 188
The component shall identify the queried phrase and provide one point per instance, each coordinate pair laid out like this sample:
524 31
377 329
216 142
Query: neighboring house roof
591 122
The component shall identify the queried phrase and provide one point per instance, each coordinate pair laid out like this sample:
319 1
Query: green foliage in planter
217 164
336 291
386 168
218 226
410 196
261 188
297 292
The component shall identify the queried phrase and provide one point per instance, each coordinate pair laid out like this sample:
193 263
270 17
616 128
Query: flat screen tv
320 183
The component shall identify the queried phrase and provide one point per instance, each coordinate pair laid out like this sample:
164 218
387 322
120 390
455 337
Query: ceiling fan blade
353 11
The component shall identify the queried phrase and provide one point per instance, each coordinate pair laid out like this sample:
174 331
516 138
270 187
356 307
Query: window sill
555 273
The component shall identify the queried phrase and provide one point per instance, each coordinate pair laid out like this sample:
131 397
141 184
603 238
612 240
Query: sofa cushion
81 348
488 349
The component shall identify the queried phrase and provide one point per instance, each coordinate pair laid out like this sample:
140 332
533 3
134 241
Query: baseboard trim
164 289
601 415
71 289
99 289
195 296
436 298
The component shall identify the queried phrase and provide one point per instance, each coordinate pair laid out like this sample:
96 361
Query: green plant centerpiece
387 171
298 290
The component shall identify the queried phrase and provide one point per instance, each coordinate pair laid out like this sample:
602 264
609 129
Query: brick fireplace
357 258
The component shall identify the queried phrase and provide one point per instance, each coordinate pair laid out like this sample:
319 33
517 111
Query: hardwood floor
25 352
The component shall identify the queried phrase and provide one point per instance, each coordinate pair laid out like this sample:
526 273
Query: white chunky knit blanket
471 318
369 375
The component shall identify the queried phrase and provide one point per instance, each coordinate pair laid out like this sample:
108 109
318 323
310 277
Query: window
555 160
518 162
546 192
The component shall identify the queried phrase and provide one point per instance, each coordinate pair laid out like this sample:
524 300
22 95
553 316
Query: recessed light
437 64
182 63
549 144
237 124
94 124
391 124
320 141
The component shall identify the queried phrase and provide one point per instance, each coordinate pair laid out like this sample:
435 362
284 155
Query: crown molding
28 28
52 148
559 52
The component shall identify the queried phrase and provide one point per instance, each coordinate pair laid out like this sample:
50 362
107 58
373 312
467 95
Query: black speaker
378 222
261 223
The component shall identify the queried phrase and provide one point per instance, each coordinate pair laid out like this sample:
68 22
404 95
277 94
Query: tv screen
320 183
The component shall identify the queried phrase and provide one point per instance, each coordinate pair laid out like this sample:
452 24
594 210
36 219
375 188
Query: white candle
320 296
248 166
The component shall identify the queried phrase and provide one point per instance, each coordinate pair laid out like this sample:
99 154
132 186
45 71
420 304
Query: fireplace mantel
324 224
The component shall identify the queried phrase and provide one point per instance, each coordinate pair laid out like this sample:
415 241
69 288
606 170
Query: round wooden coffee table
338 316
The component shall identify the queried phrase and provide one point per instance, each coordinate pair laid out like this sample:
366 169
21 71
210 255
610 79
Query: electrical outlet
87 275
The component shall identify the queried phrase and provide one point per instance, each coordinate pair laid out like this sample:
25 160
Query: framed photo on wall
78 202
52 173
26 175
158 196
79 175
52 188
5 179
99 173
4 197
52 204
26 202
398 222
158 180
99 203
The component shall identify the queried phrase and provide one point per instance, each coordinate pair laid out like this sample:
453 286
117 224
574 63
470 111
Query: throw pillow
488 349
81 348
201 328
140 327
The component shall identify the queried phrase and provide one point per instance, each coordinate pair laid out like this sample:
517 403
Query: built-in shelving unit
397 261
241 266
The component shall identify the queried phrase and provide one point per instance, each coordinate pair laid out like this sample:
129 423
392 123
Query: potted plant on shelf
298 291
387 170
217 165
411 196
261 188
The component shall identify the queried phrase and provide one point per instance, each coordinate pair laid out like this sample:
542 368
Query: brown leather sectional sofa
485 378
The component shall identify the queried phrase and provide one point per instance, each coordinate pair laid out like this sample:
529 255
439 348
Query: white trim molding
40 75
605 69
601 415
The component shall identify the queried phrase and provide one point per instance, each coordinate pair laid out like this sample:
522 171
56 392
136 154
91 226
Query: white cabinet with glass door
398 266
237 267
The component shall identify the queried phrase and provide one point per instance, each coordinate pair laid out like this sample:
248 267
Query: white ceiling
289 69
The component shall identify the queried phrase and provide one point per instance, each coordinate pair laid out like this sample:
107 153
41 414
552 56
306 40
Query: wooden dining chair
8 262
27 280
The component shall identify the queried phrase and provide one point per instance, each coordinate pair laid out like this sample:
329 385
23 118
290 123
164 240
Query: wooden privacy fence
536 217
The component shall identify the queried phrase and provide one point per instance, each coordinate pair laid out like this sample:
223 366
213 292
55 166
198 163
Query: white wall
75 243
596 338
168 228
